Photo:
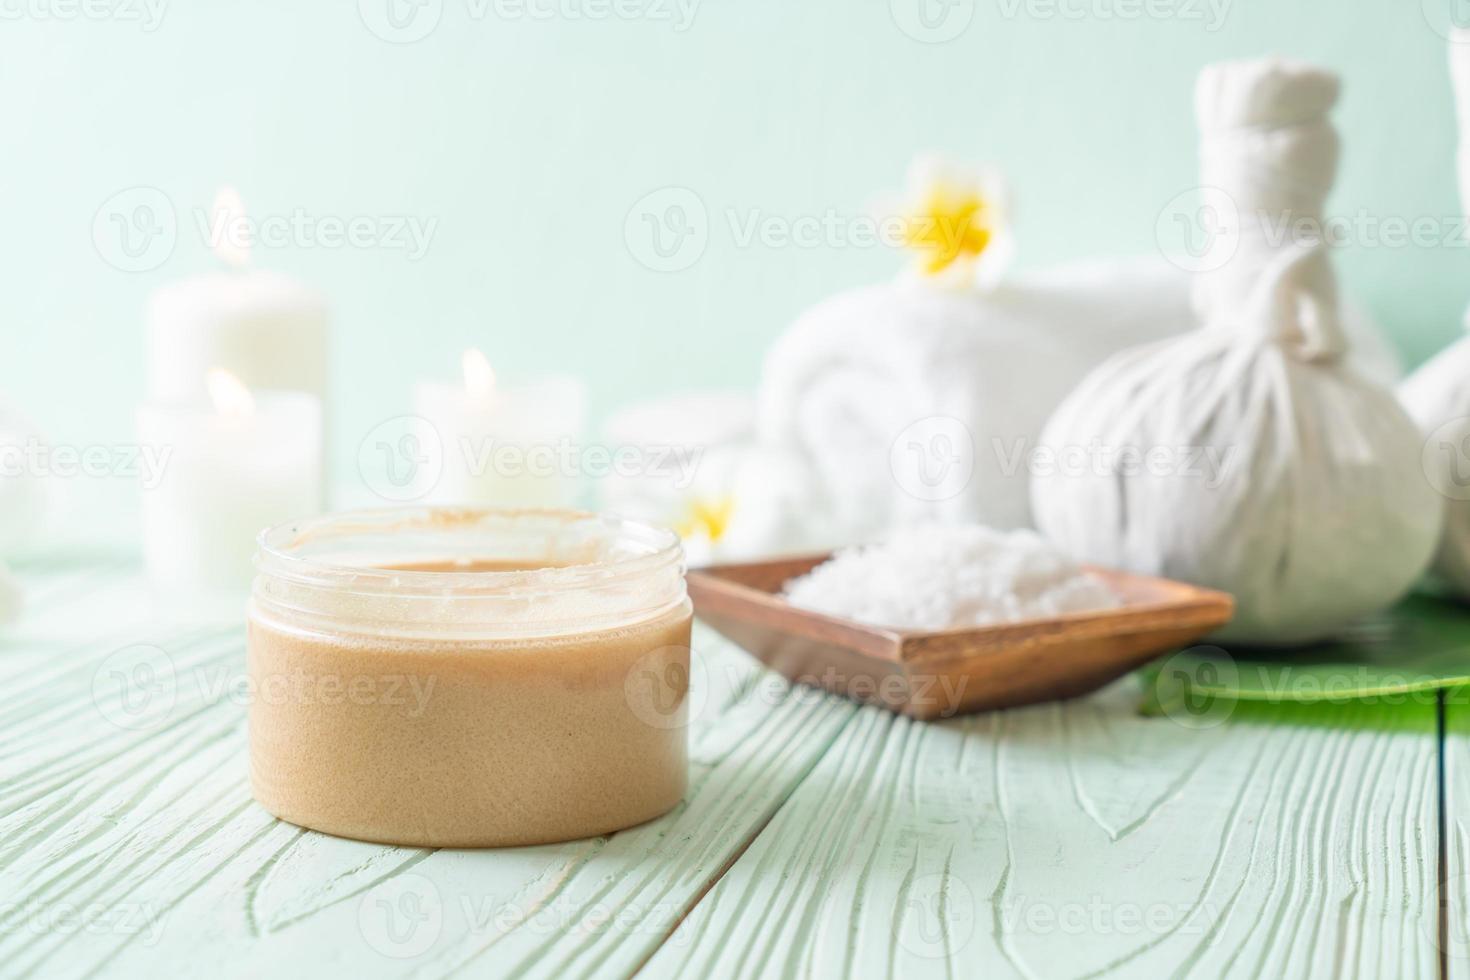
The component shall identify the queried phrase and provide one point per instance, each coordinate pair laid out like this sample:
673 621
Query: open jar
468 677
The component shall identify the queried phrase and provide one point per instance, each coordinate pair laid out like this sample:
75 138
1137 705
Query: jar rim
653 548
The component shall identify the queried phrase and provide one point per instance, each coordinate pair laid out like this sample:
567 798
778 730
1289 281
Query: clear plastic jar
468 677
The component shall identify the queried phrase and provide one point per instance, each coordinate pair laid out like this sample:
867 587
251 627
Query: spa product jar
468 678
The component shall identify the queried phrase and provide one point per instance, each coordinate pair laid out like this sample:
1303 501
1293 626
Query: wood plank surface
1084 840
129 844
1455 889
818 838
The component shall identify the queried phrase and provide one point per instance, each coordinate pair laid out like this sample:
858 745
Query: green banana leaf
1409 654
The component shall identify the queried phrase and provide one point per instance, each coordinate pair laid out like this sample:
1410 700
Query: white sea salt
934 577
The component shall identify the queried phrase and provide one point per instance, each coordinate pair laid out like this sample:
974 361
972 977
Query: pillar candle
263 326
503 445
244 462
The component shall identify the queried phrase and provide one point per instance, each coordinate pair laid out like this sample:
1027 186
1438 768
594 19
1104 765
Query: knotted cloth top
1268 157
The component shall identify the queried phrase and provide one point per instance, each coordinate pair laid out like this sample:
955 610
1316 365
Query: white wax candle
507 446
267 329
264 327
248 462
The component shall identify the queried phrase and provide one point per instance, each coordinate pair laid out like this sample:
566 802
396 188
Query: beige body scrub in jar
468 678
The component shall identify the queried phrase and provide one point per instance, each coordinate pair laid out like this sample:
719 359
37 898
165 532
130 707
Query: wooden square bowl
949 672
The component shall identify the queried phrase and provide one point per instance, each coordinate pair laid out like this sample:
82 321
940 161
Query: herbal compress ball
1245 455
1438 394
1438 398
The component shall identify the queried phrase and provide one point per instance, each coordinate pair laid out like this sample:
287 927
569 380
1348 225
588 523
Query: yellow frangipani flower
955 222
707 518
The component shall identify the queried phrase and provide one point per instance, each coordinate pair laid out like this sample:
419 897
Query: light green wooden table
817 838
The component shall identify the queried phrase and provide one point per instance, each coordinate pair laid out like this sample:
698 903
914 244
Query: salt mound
934 577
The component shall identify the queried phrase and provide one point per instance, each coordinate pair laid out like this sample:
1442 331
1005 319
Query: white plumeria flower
956 222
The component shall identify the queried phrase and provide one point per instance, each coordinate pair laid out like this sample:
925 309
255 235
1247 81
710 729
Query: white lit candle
264 327
508 446
247 461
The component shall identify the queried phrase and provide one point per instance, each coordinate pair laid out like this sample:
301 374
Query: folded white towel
846 391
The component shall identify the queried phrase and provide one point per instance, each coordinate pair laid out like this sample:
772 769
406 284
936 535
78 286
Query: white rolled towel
866 368
1437 395
856 373
1315 510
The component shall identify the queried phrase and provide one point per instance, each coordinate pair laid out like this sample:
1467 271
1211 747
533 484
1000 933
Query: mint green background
530 140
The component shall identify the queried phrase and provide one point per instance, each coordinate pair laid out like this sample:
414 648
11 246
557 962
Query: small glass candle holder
468 677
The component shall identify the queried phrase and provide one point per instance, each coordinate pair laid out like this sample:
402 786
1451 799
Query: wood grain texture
1083 840
817 838
129 844
1455 888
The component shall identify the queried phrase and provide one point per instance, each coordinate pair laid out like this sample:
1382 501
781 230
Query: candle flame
229 394
230 234
479 376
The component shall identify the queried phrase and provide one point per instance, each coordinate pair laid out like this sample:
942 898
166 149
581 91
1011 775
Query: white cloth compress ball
1438 397
1246 455
1438 394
